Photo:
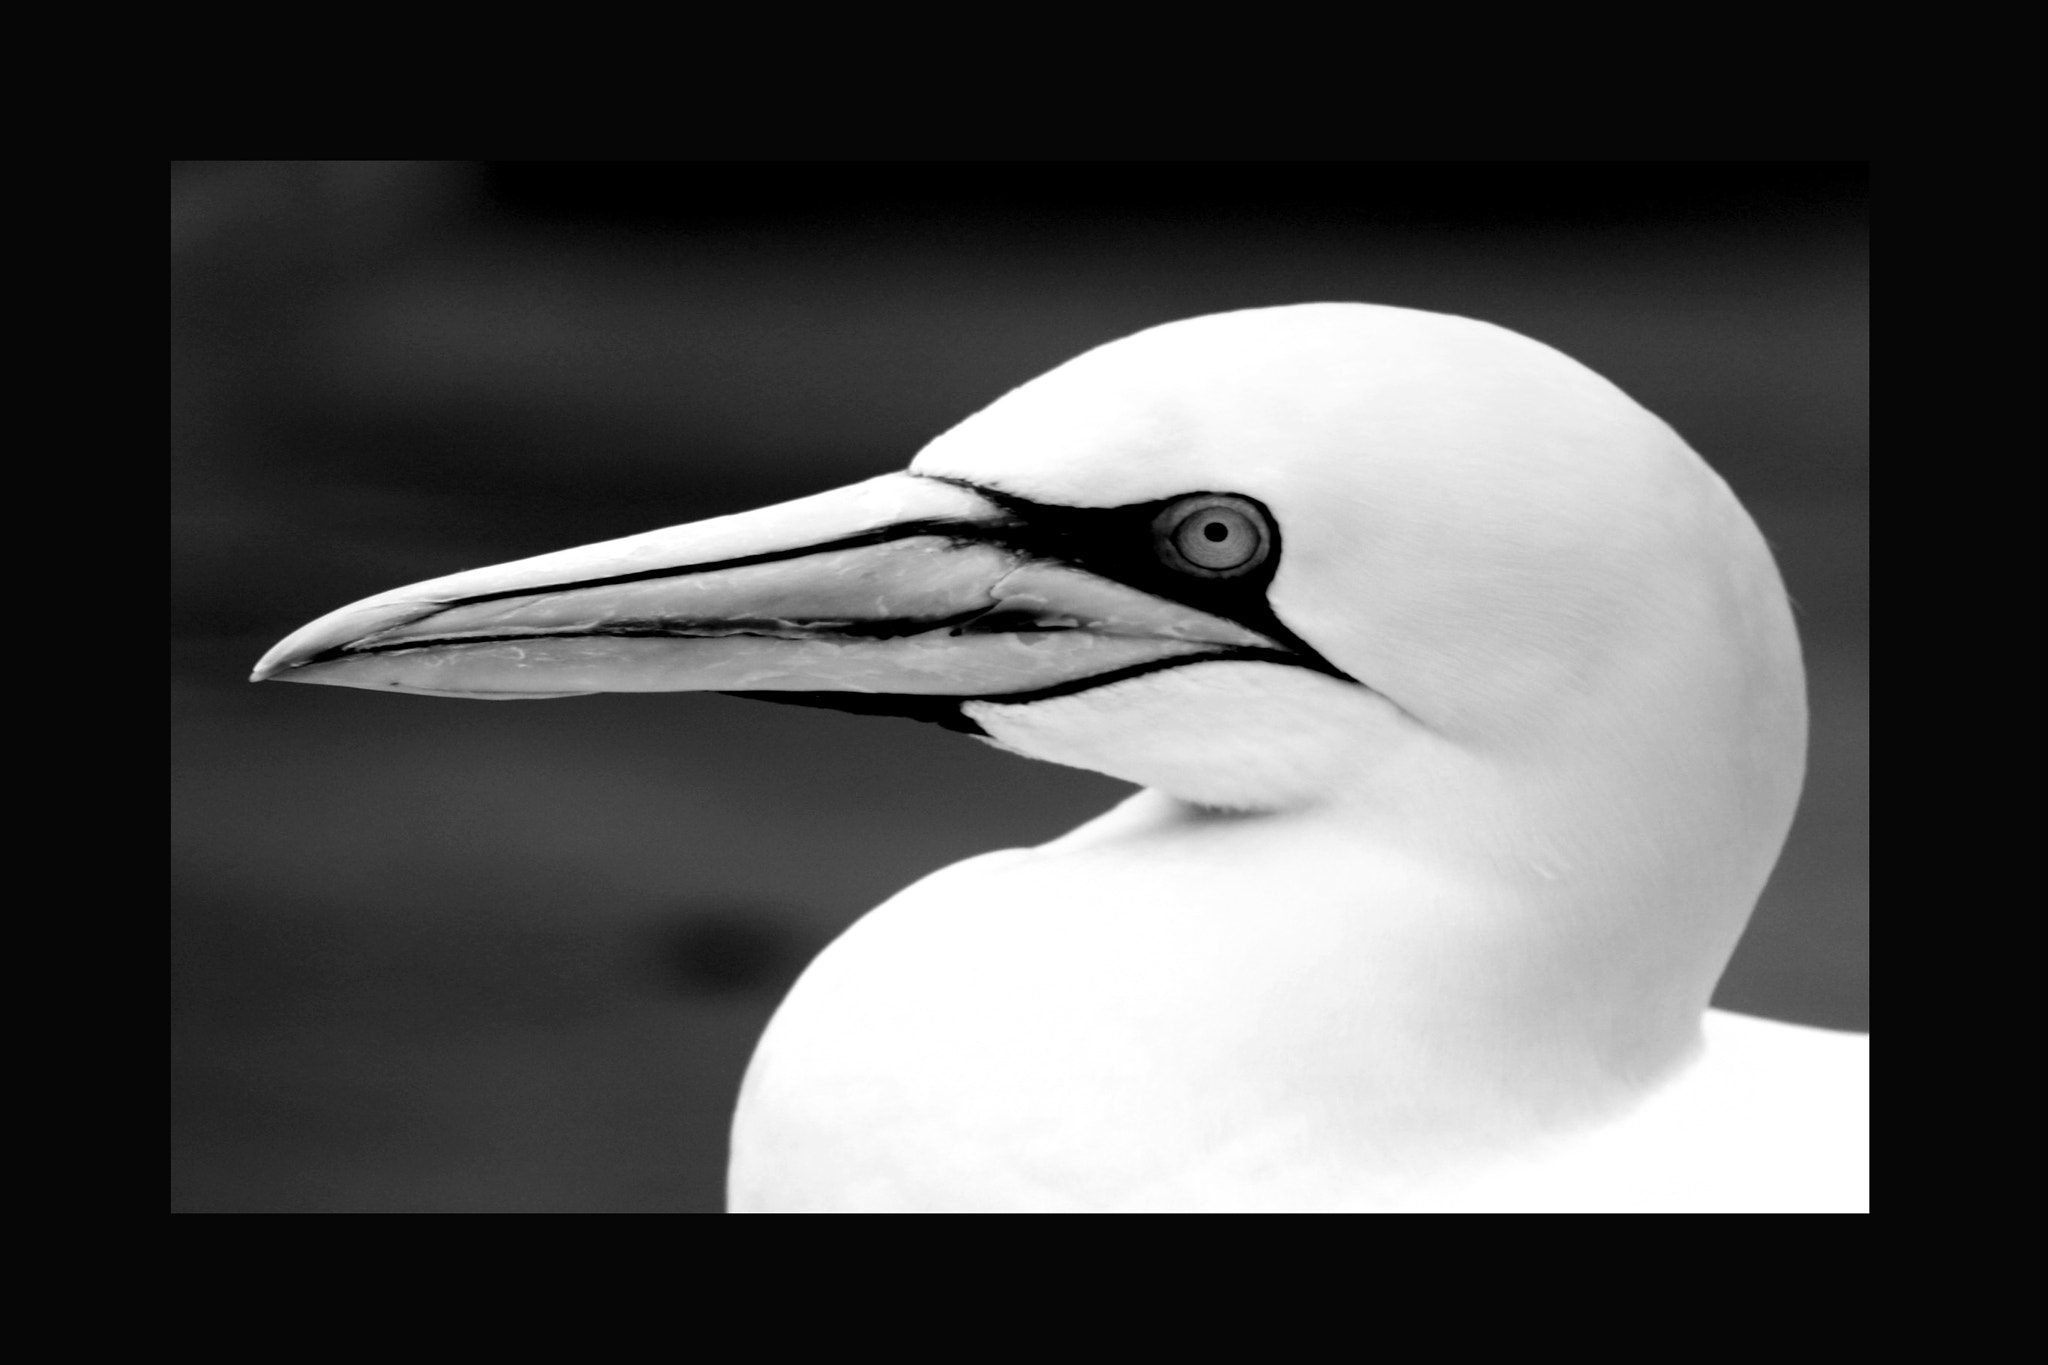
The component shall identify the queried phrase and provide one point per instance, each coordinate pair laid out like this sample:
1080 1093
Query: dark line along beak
900 586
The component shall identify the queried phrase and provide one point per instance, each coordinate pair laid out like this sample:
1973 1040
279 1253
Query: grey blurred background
432 955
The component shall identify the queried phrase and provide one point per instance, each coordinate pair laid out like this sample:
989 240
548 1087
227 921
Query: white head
1522 564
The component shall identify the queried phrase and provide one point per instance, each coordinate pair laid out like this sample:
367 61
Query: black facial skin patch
1110 542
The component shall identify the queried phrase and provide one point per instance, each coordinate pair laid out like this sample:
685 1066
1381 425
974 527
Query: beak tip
335 629
267 667
278 663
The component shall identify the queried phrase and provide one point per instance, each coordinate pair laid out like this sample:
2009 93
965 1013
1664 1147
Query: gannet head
1497 547
1269 560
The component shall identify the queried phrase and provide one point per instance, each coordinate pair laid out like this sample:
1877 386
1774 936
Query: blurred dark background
432 955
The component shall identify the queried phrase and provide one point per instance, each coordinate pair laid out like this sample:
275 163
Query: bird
1467 714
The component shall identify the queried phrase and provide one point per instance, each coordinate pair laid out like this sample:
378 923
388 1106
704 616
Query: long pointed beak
900 585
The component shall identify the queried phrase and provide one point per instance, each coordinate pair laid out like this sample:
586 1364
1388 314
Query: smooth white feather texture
1443 944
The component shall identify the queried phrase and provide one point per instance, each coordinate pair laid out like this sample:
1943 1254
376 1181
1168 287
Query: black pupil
1216 530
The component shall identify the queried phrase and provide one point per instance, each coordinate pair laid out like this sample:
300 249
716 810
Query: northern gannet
1469 715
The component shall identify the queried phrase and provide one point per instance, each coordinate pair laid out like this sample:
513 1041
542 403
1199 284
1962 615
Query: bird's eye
1213 535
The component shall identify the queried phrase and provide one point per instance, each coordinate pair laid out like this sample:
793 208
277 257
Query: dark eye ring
1213 535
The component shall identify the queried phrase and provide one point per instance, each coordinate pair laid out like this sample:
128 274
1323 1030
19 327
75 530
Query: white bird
1470 718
